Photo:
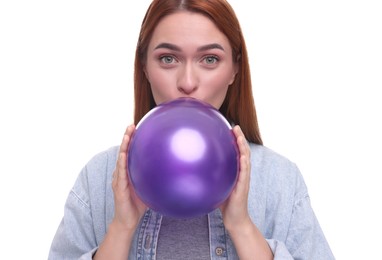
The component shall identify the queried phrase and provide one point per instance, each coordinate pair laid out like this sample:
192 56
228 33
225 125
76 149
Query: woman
193 48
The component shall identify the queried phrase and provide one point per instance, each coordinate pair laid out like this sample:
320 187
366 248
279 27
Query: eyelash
165 58
216 59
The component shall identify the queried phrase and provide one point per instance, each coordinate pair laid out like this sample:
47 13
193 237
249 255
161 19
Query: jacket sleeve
280 252
305 239
75 238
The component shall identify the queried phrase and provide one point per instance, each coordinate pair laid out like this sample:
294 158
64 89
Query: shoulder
100 167
96 172
267 159
103 160
275 172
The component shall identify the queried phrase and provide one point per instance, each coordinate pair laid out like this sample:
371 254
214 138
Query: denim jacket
278 204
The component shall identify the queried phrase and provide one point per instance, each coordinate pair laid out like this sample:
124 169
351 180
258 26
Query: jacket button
219 251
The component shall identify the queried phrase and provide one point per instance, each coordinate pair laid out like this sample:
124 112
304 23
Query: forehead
186 27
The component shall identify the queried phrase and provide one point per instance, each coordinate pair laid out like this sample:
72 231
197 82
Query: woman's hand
248 240
128 209
235 208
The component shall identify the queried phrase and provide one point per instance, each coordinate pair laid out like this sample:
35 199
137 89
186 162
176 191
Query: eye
211 59
167 59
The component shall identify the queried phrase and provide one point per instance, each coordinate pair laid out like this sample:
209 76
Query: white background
66 94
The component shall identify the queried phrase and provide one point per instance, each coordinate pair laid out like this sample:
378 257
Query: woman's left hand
247 238
235 208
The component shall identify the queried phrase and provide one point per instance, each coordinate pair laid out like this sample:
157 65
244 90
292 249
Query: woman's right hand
128 208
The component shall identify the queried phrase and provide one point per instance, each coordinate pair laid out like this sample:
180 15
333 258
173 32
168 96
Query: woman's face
189 57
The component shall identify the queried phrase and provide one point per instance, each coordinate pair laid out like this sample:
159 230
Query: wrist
122 229
249 241
117 241
242 227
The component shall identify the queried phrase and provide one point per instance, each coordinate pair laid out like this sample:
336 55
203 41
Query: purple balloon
183 160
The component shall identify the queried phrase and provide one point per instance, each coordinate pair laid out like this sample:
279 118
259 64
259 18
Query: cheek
216 88
223 76
218 83
160 85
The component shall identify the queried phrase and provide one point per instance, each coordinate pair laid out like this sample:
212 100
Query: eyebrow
173 47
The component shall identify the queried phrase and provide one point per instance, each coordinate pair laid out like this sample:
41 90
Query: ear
145 71
236 69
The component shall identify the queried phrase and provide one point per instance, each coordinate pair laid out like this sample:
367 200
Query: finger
125 141
127 138
244 150
241 141
120 173
124 148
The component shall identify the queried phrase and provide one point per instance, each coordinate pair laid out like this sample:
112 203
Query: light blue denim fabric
278 204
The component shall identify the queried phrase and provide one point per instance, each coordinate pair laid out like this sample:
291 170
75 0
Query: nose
187 80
